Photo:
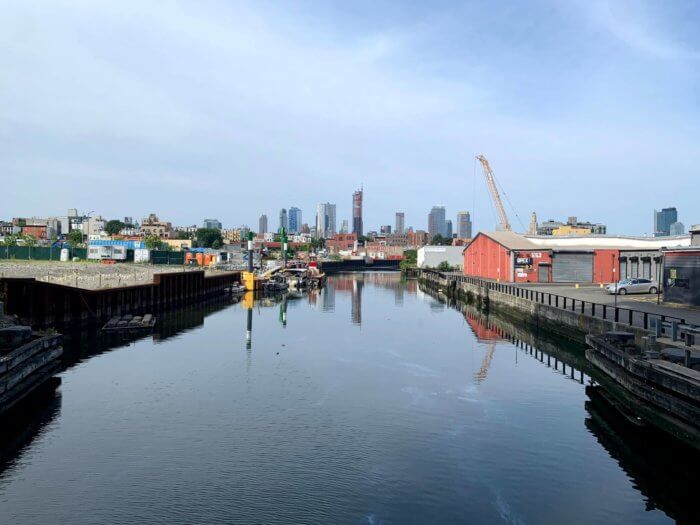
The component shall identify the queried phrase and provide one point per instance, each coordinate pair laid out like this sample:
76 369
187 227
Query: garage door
572 268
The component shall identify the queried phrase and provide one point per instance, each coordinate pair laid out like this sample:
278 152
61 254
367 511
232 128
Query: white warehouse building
432 256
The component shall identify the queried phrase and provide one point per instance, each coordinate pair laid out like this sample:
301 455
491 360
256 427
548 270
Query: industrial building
511 257
681 282
432 256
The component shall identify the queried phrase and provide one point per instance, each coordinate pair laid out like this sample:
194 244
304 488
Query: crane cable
510 203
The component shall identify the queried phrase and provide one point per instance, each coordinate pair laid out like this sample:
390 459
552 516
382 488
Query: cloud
235 109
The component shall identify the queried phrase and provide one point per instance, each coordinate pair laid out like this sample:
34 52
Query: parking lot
640 302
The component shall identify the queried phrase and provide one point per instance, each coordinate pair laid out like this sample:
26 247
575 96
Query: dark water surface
376 403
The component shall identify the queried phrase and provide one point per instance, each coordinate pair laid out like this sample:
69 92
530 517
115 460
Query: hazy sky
228 109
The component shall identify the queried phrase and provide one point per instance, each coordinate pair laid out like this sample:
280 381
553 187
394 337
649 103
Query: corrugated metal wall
572 267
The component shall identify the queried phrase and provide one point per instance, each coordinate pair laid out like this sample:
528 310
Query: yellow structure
571 230
249 281
178 244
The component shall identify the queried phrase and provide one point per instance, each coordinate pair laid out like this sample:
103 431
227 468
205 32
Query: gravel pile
85 274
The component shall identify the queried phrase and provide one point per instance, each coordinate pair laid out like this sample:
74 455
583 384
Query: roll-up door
623 268
635 268
646 268
572 268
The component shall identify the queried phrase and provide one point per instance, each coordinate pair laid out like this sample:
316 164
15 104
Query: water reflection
663 469
19 429
664 472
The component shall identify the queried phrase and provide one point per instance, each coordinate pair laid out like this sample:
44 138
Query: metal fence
38 253
617 314
167 257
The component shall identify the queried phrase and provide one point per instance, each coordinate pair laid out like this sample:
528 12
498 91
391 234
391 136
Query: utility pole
283 238
250 252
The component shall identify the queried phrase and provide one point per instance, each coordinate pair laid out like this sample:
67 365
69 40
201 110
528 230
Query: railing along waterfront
617 314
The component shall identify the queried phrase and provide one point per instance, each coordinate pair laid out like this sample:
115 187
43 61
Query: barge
28 362
659 392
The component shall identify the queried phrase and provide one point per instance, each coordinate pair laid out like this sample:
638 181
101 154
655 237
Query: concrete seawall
567 323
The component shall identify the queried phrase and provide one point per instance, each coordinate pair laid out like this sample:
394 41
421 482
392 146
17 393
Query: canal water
369 401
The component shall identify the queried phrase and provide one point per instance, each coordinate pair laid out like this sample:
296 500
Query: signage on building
523 261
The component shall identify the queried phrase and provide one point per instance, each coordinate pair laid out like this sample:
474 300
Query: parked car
626 286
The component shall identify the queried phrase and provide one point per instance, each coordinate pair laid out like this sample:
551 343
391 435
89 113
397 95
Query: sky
227 109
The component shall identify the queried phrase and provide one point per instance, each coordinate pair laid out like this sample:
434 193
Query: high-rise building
262 224
212 224
385 229
663 220
677 228
283 219
294 220
344 227
357 212
448 228
436 222
464 225
325 220
399 226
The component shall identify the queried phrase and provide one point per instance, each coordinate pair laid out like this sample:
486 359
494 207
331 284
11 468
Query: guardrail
617 314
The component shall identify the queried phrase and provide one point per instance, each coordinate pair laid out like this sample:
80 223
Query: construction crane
491 181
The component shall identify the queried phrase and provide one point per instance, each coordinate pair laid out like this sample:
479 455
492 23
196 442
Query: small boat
129 322
237 289
276 283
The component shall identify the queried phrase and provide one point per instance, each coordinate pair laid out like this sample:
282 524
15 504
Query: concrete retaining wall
573 325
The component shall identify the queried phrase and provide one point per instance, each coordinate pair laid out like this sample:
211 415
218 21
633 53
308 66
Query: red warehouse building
511 257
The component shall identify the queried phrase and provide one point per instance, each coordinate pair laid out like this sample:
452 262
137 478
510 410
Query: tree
29 240
153 242
114 226
75 238
410 259
183 235
444 266
207 236
9 240
318 243
439 240
216 244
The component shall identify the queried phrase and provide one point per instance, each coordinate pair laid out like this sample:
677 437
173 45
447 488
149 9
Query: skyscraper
357 212
448 229
399 226
663 220
436 222
344 226
385 229
283 219
262 224
677 228
325 220
294 222
464 225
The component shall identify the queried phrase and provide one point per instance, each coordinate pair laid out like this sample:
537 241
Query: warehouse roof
516 241
510 240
